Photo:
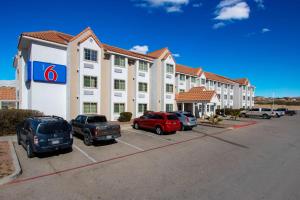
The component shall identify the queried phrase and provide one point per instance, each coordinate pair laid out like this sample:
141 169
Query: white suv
265 113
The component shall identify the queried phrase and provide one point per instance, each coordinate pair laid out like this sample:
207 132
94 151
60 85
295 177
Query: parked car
44 134
187 120
265 113
287 111
95 128
161 122
278 113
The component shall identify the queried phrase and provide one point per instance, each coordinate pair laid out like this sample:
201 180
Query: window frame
119 84
145 108
119 108
90 78
169 104
90 104
168 67
143 67
91 51
139 87
119 64
167 87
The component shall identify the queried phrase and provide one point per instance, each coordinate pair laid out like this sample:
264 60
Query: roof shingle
188 70
215 77
7 93
52 36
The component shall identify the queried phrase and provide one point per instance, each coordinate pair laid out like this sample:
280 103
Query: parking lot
206 163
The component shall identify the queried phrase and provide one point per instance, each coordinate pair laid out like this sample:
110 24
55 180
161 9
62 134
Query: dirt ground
6 165
278 106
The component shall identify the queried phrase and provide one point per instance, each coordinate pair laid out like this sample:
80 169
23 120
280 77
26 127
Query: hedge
11 117
125 116
229 111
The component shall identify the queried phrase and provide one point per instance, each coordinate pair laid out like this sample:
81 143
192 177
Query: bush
125 117
10 118
229 111
215 119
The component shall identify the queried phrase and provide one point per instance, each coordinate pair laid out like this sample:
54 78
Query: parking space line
131 145
84 153
153 136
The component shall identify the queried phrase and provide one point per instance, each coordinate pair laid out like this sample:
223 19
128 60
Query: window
7 105
119 84
231 97
207 108
143 66
193 79
219 84
169 107
91 55
181 90
231 87
248 98
142 108
244 87
244 98
120 61
226 86
89 107
90 82
225 96
169 88
212 107
202 81
143 87
182 77
170 69
119 107
211 83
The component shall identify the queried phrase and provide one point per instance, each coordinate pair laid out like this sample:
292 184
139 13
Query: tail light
187 119
35 140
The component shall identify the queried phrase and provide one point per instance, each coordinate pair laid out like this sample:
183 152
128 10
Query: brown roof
188 70
7 93
242 81
52 36
215 77
200 95
198 89
157 53
127 52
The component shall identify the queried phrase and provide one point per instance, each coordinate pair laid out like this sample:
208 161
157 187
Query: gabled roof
242 81
157 53
200 95
198 89
52 36
188 70
127 52
215 77
7 93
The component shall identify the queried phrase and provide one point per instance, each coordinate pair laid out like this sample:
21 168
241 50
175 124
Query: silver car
187 120
265 113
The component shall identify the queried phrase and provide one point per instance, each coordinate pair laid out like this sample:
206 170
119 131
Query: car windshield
171 117
96 119
189 115
53 127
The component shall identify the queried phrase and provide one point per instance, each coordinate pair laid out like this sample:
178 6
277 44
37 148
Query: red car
161 122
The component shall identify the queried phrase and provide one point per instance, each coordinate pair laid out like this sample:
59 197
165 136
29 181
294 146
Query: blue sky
258 39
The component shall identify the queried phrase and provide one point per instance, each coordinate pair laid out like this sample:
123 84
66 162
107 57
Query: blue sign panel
48 72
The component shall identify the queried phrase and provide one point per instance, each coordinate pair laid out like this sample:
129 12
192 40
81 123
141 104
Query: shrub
11 117
125 117
228 111
214 119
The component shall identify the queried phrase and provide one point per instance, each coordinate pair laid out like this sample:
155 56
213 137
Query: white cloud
219 25
140 49
232 10
176 55
260 3
168 5
265 30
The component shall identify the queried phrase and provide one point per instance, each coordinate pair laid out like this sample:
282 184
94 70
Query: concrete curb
16 164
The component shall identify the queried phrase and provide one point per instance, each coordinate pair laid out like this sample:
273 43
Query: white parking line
84 153
131 145
146 134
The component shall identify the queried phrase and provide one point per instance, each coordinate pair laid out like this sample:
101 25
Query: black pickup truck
287 111
95 128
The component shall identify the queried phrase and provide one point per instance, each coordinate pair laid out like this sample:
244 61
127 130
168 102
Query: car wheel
136 126
87 139
243 115
158 130
265 116
29 151
277 116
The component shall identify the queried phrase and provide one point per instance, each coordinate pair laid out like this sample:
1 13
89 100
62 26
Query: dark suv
44 134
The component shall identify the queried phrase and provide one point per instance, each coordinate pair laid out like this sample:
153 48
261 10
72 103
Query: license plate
55 141
108 137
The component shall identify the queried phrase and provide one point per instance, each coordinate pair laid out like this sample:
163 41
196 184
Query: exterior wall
141 97
40 93
106 89
118 96
168 98
89 68
156 81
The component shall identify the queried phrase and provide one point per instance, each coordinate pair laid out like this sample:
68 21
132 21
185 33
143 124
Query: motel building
65 75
